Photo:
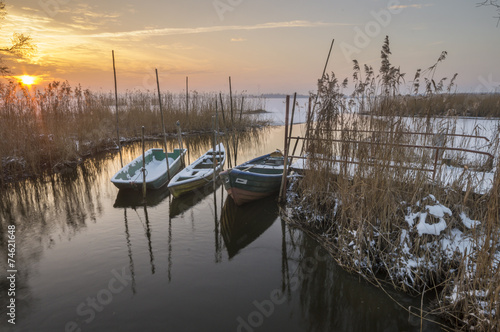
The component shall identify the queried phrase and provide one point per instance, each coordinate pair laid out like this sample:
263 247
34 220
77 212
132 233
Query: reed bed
53 128
368 193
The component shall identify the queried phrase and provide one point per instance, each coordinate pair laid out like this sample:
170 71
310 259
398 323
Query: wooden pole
308 127
163 126
179 133
291 126
228 149
285 160
187 98
291 122
116 110
232 120
239 125
143 166
214 156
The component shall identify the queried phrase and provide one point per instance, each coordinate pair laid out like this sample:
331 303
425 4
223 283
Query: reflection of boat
254 179
157 175
241 225
199 173
132 198
183 203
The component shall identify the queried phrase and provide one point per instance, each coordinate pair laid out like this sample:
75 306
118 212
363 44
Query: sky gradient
265 46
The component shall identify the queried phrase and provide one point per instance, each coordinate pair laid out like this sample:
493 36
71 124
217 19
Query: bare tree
492 3
21 45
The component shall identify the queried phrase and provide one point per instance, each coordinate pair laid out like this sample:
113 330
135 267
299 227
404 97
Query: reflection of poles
163 125
148 235
169 242
285 273
218 251
129 247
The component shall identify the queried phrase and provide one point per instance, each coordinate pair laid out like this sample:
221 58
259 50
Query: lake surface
91 258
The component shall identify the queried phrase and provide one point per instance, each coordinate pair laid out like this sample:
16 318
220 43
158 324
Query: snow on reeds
369 195
52 128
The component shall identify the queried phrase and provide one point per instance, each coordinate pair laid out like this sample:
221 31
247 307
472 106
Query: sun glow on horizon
27 79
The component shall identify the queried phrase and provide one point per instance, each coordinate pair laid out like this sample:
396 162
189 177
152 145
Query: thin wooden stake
214 155
143 166
285 160
228 148
239 126
187 98
322 76
232 120
163 126
116 111
179 133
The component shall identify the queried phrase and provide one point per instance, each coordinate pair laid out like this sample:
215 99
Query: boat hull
130 176
245 186
182 189
199 173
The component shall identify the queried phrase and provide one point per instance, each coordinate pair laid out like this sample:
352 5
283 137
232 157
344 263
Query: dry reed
368 191
55 127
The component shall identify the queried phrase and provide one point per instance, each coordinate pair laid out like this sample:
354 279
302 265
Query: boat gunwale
181 153
174 182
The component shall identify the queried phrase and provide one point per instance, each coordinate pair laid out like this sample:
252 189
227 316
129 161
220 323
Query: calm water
92 258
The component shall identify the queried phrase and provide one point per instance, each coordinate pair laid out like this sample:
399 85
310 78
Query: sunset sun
27 79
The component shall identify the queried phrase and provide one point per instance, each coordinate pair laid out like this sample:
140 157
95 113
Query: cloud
417 6
235 40
219 28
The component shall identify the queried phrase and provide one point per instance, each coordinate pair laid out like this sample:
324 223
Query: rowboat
199 173
254 179
157 175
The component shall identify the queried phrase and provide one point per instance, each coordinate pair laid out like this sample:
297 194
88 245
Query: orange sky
265 46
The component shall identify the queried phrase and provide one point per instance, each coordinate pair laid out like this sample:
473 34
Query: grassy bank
53 128
370 195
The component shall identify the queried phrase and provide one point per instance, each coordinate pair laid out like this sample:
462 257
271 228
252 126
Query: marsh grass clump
53 128
379 202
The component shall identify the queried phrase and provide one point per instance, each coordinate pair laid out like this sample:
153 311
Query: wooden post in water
143 166
285 159
163 126
232 119
214 144
291 125
228 149
116 110
179 133
187 98
239 125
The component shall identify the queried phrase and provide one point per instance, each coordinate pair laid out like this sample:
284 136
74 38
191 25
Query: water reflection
332 299
241 225
185 202
181 254
133 198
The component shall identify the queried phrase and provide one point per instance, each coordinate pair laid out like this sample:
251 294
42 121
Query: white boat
199 173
